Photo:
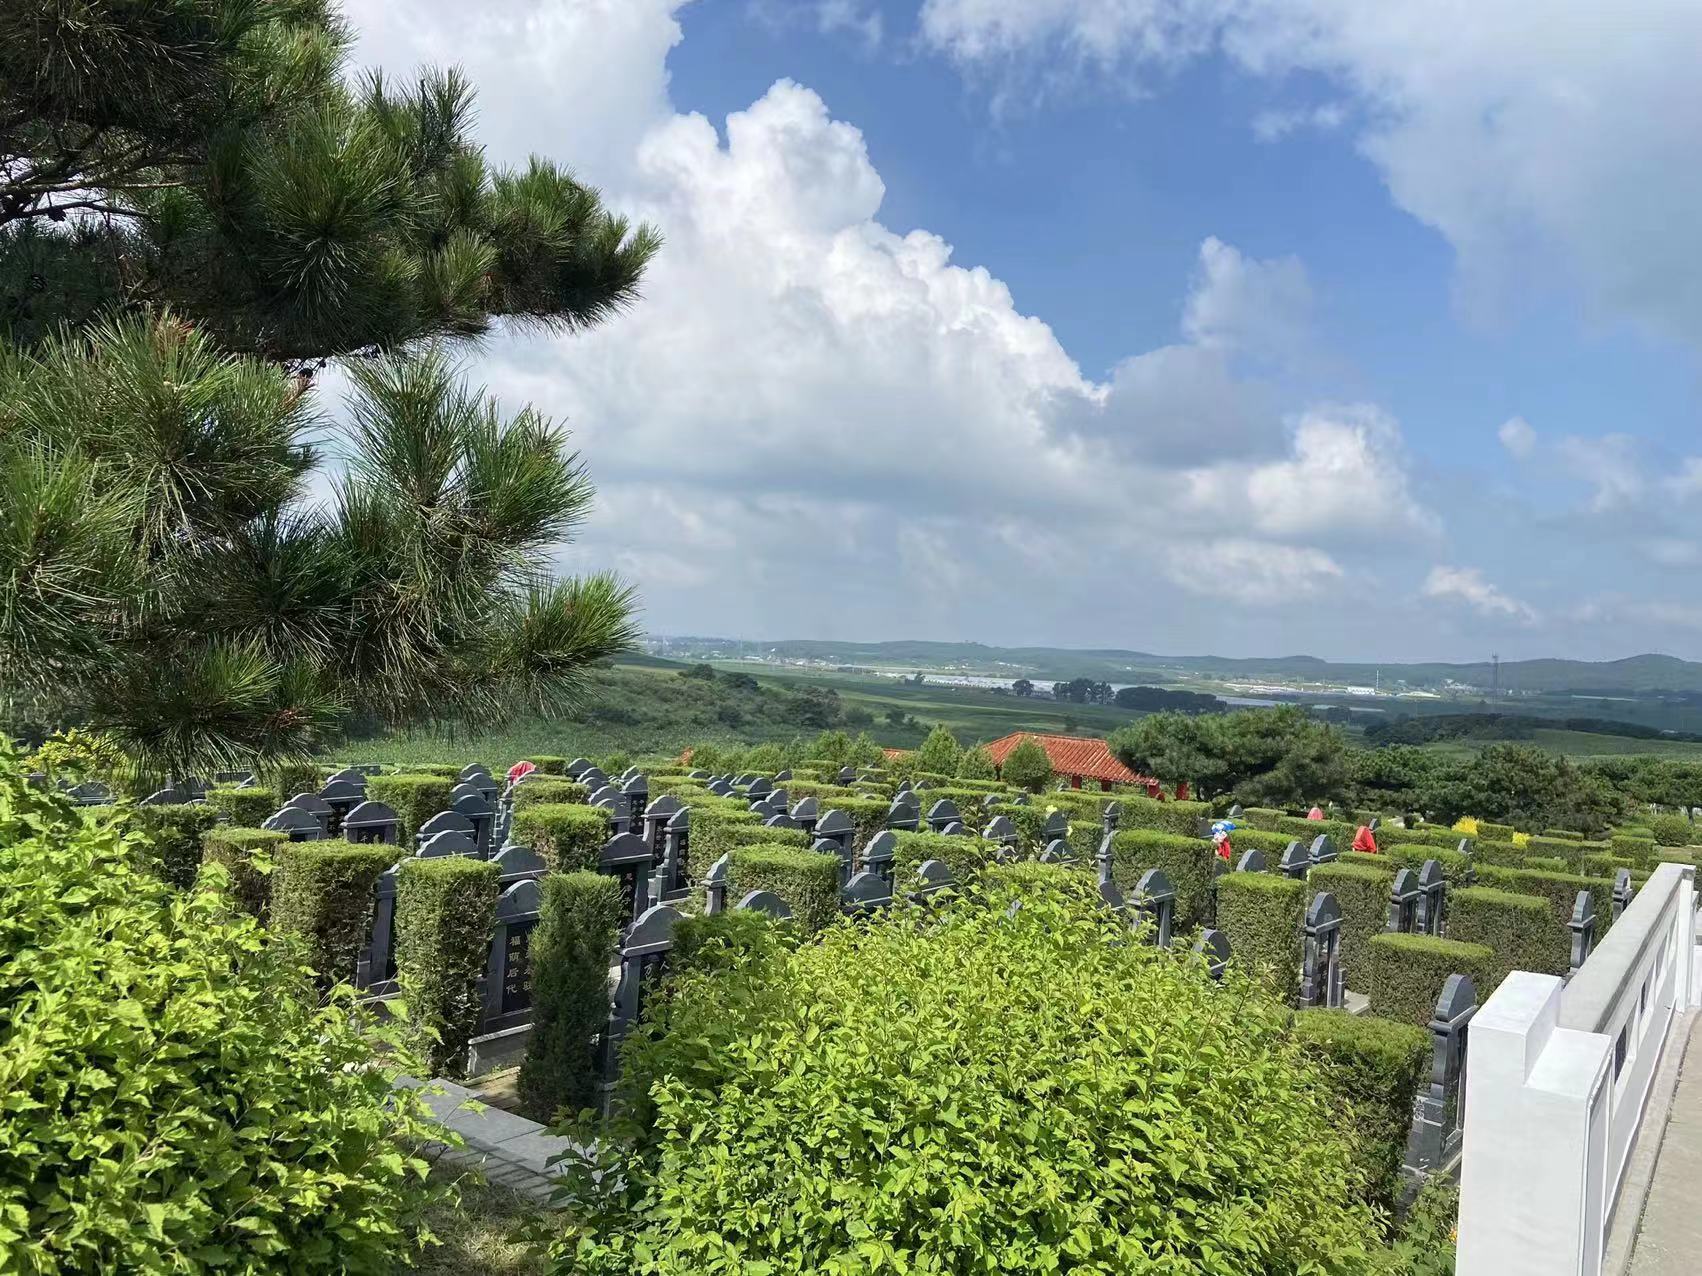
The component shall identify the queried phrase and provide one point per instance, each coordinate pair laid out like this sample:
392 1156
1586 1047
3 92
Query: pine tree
196 213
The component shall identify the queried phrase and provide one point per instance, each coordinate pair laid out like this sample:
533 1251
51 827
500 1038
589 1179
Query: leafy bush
1519 929
1375 1066
1025 878
1405 974
712 820
1027 766
573 947
1673 830
761 835
1639 850
976 764
1262 915
248 857
940 752
1425 1246
174 836
1029 821
287 779
723 941
964 856
536 792
868 815
989 1093
445 913
549 764
414 797
245 808
1187 861
1180 818
1507 854
1363 895
176 1098
1559 889
807 880
1494 832
1453 865
569 835
325 893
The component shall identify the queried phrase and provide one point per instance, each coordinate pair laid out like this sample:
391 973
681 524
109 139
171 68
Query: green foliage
1523 786
1362 894
176 1096
940 752
1491 832
1673 830
1453 865
1027 766
1425 1245
534 792
1187 861
1029 821
290 778
248 857
248 808
1026 879
1559 889
574 945
549 764
1271 757
1262 914
712 822
1639 850
867 814
1375 1067
976 764
798 1103
445 911
964 856
1181 818
724 941
807 880
1519 929
414 797
323 892
569 835
1405 974
173 839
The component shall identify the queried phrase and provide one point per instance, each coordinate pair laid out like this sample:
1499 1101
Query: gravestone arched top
343 791
999 829
1405 885
1154 886
464 789
369 813
1213 945
1057 825
1021 799
349 774
1583 908
699 774
1323 912
781 820
513 861
1465 846
933 874
1235 812
1459 996
866 889
663 807
636 784
765 902
520 900
1112 895
1322 848
1429 874
475 770
472 805
758 788
944 809
292 819
1251 862
680 820
445 822
448 842
717 875
623 849
1294 860
783 774
808 808
1056 852
957 828
882 846
653 932
834 823
577 767
312 803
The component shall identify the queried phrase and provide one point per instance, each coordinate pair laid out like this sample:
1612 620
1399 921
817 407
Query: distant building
1084 763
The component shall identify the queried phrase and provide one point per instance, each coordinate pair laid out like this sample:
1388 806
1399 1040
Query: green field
1579 744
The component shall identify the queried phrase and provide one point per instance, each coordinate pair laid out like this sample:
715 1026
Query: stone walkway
1669 1238
511 1150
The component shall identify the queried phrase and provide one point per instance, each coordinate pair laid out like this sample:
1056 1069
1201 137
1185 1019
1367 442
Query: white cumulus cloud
1518 437
1467 585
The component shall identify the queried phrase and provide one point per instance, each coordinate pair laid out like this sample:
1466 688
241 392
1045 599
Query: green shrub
248 857
1426 835
712 822
1027 766
1180 818
445 913
1673 830
739 835
414 797
1559 889
1023 878
724 941
1263 817
441 770
1363 896
1029 820
964 856
976 764
868 815
1494 832
1452 863
1674 855
290 778
176 1097
807 880
575 943
1405 974
537 792
174 838
1639 850
1187 861
940 752
1566 835
549 764
1507 854
245 808
569 835
324 892
1375 1067
1601 864
1262 916
1271 844
816 1110
1519 929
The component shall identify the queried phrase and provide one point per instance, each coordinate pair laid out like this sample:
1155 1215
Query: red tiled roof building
1082 762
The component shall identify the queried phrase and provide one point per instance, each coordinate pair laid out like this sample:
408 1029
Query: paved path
511 1150
1669 1239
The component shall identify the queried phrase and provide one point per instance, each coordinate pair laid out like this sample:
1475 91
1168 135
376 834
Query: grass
1577 744
478 1236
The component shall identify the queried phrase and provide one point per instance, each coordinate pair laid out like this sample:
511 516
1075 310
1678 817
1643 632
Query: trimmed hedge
442 770
245 808
1559 889
1640 850
1427 835
1363 895
1181 818
1494 832
537 792
1405 974
964 856
1375 1066
1519 929
1262 916
548 764
290 778
1510 854
414 797
324 893
868 815
1187 861
445 911
1452 863
1029 820
174 835
249 856
712 819
569 835
807 880
742 835
1273 844
1028 878
573 947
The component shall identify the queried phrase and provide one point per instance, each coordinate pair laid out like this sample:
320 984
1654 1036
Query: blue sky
1180 325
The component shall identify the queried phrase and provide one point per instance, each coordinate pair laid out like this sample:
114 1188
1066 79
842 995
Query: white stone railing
1558 1077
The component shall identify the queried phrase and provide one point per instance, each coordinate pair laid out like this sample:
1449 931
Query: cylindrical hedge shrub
1261 915
1452 863
1181 818
1405 974
414 796
1494 832
249 856
445 916
1559 889
964 856
549 764
174 835
807 880
572 949
290 778
1374 1066
1187 861
245 808
568 835
324 892
1362 894
536 792
1519 929
761 835
711 818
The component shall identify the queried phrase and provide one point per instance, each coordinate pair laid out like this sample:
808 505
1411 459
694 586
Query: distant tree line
1408 729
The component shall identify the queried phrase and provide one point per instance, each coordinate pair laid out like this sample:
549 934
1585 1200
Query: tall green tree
939 753
198 209
1027 766
1272 757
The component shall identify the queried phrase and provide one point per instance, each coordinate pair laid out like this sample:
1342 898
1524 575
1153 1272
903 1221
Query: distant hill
1631 676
